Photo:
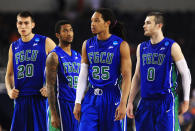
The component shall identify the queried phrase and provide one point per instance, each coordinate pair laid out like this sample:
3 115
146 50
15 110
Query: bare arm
84 53
135 86
9 77
51 73
126 67
49 45
176 52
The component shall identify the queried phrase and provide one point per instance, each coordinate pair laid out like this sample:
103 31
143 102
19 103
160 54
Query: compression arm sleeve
82 83
185 76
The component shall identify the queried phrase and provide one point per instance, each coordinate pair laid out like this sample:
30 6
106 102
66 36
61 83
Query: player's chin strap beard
66 43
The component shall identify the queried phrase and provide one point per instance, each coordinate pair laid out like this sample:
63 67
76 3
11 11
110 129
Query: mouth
23 31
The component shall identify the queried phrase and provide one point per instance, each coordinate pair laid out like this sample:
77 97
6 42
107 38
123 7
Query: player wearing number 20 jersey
29 65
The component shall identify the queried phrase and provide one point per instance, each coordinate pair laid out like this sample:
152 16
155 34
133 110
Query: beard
66 42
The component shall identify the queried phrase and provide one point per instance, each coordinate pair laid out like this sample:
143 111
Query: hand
120 112
13 93
43 91
77 111
55 121
184 107
130 110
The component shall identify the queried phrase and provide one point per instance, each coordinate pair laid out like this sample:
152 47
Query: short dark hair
59 24
26 14
159 16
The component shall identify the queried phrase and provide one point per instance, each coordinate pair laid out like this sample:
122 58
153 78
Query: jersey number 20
27 71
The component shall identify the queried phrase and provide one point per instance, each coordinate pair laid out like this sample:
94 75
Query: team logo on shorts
115 43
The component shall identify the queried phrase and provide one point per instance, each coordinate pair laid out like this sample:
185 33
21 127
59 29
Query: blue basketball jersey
158 71
104 61
29 65
68 72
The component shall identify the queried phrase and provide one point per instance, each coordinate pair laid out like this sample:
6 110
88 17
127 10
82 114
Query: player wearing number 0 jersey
158 63
25 76
63 67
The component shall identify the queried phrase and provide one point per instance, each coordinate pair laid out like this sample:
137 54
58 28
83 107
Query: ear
108 22
58 35
160 25
33 25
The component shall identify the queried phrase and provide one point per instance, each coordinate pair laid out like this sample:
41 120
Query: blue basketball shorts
98 110
158 114
29 114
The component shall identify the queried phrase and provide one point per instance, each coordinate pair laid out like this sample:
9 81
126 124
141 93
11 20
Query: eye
65 30
19 23
26 23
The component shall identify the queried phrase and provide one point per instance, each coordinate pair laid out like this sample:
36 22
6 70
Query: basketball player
63 67
156 73
25 76
104 58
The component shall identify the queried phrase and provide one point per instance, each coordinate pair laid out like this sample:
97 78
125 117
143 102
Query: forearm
9 82
51 98
135 87
126 83
51 73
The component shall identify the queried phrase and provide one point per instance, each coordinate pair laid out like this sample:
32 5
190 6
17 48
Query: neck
66 48
28 37
103 35
156 38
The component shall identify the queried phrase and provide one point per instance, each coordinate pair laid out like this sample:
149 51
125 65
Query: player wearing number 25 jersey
105 59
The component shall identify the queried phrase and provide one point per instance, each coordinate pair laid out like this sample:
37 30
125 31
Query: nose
144 26
92 23
22 25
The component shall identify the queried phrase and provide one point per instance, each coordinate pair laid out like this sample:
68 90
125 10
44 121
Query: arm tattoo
51 73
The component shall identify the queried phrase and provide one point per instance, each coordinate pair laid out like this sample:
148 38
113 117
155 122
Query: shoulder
15 42
52 58
124 44
175 47
91 40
